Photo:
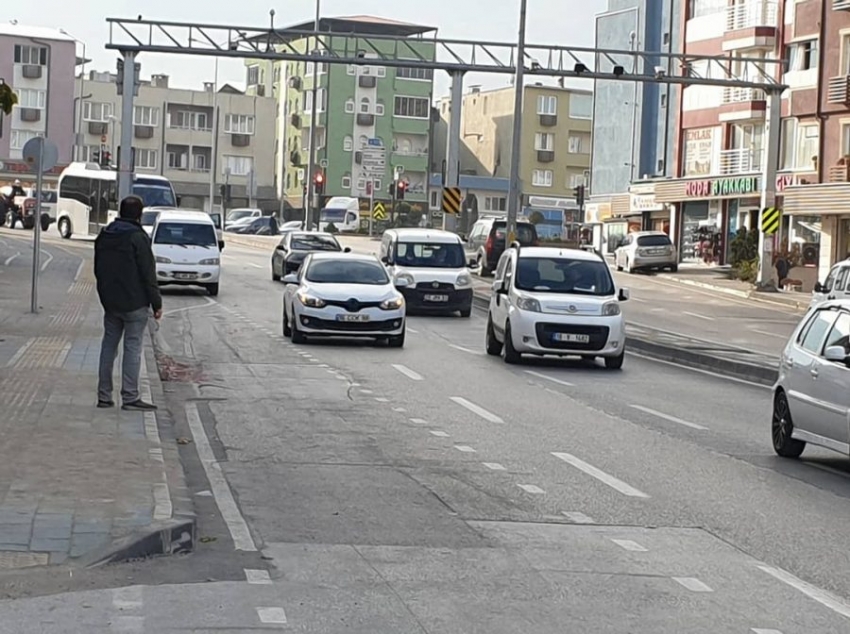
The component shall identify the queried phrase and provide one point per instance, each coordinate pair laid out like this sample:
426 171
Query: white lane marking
227 506
466 350
410 374
698 316
256 266
400 410
207 303
628 544
257 577
418 421
79 270
530 488
549 378
699 370
47 261
439 434
494 466
412 331
758 630
465 449
367 392
693 584
381 399
605 478
638 300
672 419
824 597
11 259
477 409
275 616
578 518
769 334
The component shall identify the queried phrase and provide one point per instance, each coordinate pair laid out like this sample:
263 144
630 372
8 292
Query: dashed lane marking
577 518
257 577
825 598
667 417
410 374
693 584
439 434
477 410
418 421
627 544
697 316
381 399
465 449
604 478
494 466
550 378
272 616
531 488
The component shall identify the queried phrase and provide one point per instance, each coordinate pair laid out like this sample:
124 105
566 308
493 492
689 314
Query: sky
562 22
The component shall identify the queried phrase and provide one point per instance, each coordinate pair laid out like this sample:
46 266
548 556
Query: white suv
551 301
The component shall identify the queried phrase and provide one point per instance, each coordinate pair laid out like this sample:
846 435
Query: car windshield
185 233
654 241
430 255
239 214
149 218
524 233
155 196
315 243
564 275
347 272
333 215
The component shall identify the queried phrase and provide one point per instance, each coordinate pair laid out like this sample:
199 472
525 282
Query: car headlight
407 277
393 304
463 280
210 262
528 303
611 309
162 260
310 301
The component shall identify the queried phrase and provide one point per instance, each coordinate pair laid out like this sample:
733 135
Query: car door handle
831 297
814 374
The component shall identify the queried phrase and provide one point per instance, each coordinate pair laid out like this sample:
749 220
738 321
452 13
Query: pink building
39 64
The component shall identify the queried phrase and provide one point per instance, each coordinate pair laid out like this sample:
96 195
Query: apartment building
176 134
357 108
38 63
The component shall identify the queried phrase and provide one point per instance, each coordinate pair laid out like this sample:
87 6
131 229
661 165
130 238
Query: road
345 487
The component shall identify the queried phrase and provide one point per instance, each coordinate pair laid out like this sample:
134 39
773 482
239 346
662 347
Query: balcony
742 95
410 160
143 131
752 15
839 90
545 156
30 115
742 104
31 71
839 173
739 161
841 5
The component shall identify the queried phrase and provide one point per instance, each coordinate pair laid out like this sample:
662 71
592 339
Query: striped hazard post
770 220
451 200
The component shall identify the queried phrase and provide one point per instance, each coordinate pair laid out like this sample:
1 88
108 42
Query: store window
804 239
800 145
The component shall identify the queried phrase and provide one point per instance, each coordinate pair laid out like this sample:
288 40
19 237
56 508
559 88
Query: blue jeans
132 327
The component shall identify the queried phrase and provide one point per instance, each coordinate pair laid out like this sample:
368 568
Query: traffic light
401 187
224 191
579 194
319 183
105 158
95 157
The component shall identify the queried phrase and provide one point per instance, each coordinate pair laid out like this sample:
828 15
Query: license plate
186 276
436 298
352 318
566 337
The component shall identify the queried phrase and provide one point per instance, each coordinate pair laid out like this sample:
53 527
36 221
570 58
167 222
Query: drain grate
10 560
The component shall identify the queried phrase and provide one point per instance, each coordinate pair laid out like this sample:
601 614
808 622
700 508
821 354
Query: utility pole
125 162
515 191
214 157
311 199
768 185
453 144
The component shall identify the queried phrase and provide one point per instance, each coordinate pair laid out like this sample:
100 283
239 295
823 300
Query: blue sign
376 142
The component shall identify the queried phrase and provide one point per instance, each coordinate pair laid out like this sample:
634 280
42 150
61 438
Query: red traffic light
320 178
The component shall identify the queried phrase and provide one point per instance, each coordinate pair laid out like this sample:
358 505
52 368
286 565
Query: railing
192 128
742 95
839 90
739 161
839 174
750 14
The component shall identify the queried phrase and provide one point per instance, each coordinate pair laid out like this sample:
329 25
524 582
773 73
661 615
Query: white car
835 286
552 301
343 295
646 251
811 403
241 217
187 250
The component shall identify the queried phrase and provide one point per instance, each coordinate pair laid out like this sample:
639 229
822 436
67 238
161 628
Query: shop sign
594 213
740 186
783 181
643 202
698 189
21 167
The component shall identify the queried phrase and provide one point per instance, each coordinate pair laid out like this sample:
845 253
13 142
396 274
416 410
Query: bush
747 270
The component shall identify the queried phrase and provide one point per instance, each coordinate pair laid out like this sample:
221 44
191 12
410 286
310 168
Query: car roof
558 252
835 303
640 234
308 234
431 235
358 257
184 216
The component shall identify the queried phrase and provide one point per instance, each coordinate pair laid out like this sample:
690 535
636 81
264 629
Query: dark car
297 245
265 226
487 241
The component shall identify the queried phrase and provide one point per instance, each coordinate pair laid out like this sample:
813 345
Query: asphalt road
435 489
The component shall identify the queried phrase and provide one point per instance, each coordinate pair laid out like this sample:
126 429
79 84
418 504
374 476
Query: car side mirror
221 245
472 263
292 278
820 288
402 282
280 247
385 260
836 354
179 200
498 287
347 250
624 295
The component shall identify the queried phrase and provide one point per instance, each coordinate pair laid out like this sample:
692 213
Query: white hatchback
550 301
187 250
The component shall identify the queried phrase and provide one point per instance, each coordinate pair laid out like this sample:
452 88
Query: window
379 109
581 106
145 159
579 143
800 145
253 75
178 161
365 106
86 152
322 97
19 138
415 74
434 204
352 69
238 165
547 104
495 203
544 141
576 180
845 139
411 107
97 112
700 8
815 332
349 106
541 178
186 120
346 182
802 55
146 116
28 98
347 144
33 55
239 124
840 335
361 184
564 275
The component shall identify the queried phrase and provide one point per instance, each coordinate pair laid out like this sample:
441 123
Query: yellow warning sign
451 200
379 212
770 220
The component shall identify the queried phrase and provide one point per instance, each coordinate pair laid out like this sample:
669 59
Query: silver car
646 250
811 400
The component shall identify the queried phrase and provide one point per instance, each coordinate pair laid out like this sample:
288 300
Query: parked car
295 246
487 241
646 251
265 226
835 286
240 216
811 402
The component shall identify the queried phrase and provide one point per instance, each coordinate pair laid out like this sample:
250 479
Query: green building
356 106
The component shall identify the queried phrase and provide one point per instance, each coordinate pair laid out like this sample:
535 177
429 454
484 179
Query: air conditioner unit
295 82
365 119
548 120
98 128
143 132
31 71
261 91
367 81
30 114
240 140
545 156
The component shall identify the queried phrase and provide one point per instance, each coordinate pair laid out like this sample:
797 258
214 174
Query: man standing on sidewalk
126 283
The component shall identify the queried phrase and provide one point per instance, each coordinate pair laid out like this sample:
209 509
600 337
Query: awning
826 199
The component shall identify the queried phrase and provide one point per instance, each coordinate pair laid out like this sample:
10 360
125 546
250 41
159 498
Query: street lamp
515 189
311 159
80 98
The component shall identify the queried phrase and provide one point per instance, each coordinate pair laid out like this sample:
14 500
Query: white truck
343 212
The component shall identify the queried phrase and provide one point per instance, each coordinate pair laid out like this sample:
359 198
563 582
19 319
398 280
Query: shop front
654 216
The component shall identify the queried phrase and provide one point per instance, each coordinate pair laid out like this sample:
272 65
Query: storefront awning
827 199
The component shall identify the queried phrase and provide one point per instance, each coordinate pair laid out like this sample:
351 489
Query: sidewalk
78 485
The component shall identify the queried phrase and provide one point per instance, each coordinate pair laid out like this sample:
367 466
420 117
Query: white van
434 266
187 250
343 212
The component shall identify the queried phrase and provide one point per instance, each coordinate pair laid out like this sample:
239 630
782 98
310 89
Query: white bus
88 197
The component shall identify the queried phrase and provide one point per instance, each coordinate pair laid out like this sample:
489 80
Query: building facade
176 135
38 64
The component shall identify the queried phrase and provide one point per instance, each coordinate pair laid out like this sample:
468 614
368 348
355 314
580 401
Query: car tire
275 276
619 268
674 268
509 353
45 222
28 223
494 348
297 335
781 428
483 269
212 289
287 329
629 267
466 312
397 341
615 363
65 228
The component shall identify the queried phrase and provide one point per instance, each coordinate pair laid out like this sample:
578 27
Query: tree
536 218
8 98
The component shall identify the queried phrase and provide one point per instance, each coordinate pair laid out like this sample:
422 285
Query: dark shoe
139 405
105 404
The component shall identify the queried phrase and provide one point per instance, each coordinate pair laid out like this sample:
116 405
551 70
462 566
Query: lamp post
79 109
311 159
515 191
214 157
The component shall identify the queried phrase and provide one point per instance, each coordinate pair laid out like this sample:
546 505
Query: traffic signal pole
312 198
125 159
515 191
770 157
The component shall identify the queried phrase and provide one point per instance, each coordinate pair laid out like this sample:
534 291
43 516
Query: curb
751 295
736 369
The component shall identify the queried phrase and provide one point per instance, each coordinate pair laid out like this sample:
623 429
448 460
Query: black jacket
125 268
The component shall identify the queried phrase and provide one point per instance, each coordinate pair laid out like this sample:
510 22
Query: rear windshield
653 241
430 255
185 233
347 272
564 275
149 218
525 233
314 243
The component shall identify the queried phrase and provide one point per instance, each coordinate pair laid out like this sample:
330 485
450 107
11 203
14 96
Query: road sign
770 220
33 150
451 200
373 142
379 212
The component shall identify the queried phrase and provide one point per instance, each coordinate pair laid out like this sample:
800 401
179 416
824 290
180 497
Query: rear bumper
455 299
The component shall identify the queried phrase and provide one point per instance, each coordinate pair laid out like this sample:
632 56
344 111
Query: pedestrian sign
770 220
451 200
379 212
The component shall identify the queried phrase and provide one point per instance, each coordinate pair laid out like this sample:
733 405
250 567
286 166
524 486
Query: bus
88 197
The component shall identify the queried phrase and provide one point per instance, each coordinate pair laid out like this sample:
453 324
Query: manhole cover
9 560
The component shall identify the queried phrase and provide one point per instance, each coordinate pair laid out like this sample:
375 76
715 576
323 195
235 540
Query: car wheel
45 222
275 276
615 363
212 289
297 335
782 427
65 228
287 329
28 223
509 353
629 266
397 341
674 268
483 269
494 348
466 312
619 268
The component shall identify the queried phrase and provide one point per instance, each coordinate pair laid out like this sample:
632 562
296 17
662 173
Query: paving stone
50 545
51 532
15 534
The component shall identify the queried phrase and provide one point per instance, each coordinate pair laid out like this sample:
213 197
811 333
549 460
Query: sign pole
371 203
36 238
768 187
